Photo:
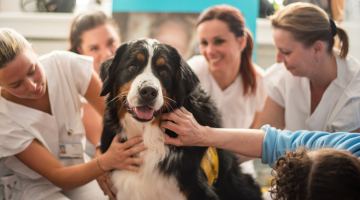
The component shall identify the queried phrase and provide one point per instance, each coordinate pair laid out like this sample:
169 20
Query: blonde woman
40 113
312 86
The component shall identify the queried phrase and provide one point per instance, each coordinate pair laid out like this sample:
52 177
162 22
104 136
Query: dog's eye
164 73
133 68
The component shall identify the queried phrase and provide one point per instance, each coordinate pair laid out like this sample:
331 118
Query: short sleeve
76 68
275 82
14 139
81 68
349 117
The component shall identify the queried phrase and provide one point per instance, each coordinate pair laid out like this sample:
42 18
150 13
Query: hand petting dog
119 156
182 122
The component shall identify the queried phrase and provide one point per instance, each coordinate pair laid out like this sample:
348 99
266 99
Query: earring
317 60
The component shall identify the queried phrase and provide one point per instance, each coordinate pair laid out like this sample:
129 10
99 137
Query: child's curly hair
322 174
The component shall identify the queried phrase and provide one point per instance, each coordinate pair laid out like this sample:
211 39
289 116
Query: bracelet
97 160
98 145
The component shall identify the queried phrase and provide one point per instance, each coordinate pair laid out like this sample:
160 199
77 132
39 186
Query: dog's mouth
142 113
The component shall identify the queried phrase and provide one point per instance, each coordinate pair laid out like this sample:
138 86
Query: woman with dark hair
97 35
94 34
226 70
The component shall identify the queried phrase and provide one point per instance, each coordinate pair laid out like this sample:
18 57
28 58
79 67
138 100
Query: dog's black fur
183 86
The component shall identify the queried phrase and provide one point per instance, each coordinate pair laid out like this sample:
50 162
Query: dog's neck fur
153 139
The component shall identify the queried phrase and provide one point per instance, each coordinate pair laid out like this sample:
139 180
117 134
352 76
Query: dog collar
210 165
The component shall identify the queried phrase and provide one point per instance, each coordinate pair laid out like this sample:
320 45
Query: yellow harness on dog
210 165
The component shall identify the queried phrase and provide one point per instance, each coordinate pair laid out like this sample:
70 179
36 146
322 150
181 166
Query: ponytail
247 70
344 42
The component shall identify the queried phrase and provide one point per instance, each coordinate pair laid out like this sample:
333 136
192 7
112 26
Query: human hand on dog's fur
118 156
107 186
183 123
104 180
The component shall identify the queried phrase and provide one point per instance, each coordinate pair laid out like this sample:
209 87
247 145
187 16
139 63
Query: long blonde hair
309 23
11 43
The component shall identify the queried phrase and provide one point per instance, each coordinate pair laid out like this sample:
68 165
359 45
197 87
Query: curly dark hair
326 174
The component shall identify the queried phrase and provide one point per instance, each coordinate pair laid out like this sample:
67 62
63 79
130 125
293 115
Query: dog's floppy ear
105 76
186 79
107 70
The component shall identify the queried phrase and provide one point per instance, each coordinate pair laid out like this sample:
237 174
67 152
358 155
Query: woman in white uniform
97 35
226 70
312 86
40 114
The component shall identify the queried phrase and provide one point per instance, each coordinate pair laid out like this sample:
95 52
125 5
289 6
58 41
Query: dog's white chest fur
149 183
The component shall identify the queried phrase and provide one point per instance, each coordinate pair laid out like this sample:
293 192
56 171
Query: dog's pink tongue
144 112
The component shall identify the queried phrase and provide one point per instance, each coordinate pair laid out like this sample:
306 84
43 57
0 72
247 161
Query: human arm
356 131
245 142
277 141
93 113
256 119
67 178
92 123
272 114
268 143
92 94
104 180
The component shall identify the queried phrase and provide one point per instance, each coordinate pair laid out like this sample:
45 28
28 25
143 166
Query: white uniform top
237 110
339 108
68 75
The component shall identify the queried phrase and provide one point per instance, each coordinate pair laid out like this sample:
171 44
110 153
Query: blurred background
46 24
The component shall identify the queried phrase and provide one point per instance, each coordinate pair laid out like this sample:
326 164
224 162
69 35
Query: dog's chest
149 183
139 186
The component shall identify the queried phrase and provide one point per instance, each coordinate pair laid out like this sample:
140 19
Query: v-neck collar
330 97
215 91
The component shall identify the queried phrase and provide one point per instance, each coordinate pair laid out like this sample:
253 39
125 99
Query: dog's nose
148 93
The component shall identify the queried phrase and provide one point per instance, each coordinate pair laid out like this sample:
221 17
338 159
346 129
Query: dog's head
146 77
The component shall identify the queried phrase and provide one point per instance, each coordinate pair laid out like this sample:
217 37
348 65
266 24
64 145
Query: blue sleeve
276 142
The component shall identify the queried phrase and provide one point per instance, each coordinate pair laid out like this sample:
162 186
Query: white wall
50 31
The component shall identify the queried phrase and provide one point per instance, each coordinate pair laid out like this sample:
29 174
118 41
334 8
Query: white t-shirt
238 111
339 108
68 76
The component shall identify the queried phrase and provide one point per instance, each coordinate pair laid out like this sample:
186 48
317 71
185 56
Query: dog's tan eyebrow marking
140 57
160 62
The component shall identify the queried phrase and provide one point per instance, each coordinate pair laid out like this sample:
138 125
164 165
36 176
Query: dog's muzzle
146 100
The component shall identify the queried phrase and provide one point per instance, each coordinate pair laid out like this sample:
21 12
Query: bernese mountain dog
144 79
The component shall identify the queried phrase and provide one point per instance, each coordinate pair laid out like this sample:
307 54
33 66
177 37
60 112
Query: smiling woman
23 82
97 35
226 70
40 113
312 86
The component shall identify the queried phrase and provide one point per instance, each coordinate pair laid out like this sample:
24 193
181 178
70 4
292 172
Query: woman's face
219 46
24 77
99 43
297 59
